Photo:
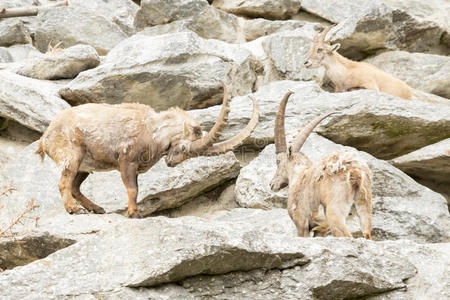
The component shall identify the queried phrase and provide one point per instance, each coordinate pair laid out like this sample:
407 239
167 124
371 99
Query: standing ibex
337 182
130 138
348 75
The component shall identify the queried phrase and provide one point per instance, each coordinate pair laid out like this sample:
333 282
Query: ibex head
286 158
320 49
194 144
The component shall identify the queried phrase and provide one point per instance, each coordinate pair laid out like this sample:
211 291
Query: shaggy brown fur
340 180
130 138
348 75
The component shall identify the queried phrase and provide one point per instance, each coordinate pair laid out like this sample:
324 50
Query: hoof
97 210
76 211
135 215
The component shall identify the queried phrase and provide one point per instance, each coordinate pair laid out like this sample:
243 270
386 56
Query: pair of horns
206 146
323 34
300 138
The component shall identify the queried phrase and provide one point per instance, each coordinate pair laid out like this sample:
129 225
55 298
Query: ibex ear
335 47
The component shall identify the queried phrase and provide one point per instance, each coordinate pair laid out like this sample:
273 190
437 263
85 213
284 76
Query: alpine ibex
130 138
337 182
349 75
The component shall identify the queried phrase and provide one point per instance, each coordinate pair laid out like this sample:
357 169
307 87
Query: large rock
432 280
160 250
272 9
67 63
197 15
398 201
255 28
5 56
120 12
33 103
426 72
288 51
179 69
380 124
8 150
429 165
160 188
76 25
380 27
21 52
12 31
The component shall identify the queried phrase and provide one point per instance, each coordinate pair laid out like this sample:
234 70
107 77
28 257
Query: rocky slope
213 229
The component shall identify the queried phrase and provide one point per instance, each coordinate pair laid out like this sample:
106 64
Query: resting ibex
348 75
130 138
337 182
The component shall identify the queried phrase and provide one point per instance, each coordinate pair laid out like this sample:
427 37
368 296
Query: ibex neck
337 66
168 126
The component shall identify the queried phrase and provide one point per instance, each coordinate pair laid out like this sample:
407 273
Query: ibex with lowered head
349 75
341 179
130 138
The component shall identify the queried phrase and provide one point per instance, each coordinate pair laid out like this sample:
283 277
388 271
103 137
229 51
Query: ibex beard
129 138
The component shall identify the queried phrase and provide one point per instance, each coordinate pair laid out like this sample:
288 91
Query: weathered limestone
429 165
76 25
426 72
67 63
33 103
179 69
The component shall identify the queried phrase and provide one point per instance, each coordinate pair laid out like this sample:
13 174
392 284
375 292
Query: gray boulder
12 31
67 63
383 125
432 280
76 25
398 201
21 52
255 28
288 51
380 27
5 56
426 72
32 103
120 12
429 165
272 9
159 250
197 15
179 69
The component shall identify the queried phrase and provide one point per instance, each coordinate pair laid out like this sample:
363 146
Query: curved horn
279 133
324 32
213 135
237 140
303 134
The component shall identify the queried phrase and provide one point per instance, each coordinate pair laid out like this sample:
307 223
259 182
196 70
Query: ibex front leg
128 171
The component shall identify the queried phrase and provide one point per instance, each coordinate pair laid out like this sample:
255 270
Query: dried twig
30 207
27 11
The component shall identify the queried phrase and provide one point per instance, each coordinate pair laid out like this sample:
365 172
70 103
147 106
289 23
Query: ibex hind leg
76 193
336 219
70 169
363 205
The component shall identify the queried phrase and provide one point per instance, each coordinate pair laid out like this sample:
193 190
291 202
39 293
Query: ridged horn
237 140
279 131
324 33
301 137
213 135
